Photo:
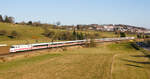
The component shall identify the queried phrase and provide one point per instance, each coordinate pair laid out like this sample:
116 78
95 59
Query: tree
58 23
148 43
1 18
96 35
74 35
2 32
82 36
78 27
6 19
13 34
147 36
138 35
74 32
9 19
122 34
29 23
91 43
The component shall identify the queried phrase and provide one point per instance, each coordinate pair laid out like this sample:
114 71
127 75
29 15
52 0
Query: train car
39 46
21 48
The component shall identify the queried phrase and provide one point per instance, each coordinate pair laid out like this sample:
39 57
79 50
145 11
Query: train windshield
12 47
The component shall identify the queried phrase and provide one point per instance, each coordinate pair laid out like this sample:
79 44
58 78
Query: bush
3 32
91 43
122 34
147 36
147 43
63 35
134 45
139 36
13 34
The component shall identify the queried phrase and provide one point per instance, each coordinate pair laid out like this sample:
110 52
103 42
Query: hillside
108 61
26 34
32 34
24 31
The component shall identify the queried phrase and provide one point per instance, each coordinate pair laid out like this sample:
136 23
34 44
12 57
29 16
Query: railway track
8 54
32 51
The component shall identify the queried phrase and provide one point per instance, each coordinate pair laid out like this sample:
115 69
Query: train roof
75 41
39 44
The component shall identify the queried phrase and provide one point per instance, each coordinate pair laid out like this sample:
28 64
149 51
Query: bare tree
29 23
58 23
9 19
1 18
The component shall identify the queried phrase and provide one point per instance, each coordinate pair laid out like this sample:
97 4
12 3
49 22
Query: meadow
107 61
26 34
31 34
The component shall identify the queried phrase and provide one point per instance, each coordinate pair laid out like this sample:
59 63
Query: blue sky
132 12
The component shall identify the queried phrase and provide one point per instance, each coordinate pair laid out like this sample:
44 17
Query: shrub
91 43
147 36
122 34
3 32
134 45
139 36
13 34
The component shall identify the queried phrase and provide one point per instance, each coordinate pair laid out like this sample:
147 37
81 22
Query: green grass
24 31
128 67
107 61
26 34
28 41
29 34
17 63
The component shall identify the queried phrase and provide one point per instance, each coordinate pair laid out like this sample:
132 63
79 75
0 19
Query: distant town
109 28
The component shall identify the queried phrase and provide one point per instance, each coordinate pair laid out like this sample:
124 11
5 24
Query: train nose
12 50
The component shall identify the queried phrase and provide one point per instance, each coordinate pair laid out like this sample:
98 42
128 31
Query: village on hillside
109 28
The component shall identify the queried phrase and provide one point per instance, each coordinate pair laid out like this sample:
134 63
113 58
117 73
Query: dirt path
4 50
112 66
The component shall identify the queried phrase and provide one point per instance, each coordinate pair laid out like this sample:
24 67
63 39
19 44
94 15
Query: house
147 31
108 28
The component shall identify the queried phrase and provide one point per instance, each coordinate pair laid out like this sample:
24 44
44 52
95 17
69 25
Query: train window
40 45
70 42
57 43
12 47
53 44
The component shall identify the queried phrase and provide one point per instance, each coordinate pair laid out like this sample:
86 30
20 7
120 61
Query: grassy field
24 31
26 34
30 34
108 61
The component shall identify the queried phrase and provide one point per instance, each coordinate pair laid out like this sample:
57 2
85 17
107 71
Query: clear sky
132 12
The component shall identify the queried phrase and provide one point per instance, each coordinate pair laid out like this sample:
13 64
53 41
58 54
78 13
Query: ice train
28 47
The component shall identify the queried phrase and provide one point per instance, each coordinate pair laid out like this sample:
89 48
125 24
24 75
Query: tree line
142 35
74 35
68 35
12 34
7 19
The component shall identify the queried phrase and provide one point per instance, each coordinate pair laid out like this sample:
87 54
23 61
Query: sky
72 12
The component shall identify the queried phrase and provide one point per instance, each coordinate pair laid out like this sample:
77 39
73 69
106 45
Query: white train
21 48
28 47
